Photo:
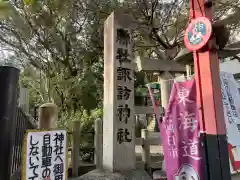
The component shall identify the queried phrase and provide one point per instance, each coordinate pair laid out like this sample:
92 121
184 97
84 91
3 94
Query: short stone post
75 148
146 154
98 143
188 71
165 90
118 119
48 114
165 94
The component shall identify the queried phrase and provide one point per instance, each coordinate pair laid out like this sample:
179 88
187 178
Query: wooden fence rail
146 140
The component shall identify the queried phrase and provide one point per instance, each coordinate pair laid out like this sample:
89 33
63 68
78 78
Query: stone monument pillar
118 120
119 158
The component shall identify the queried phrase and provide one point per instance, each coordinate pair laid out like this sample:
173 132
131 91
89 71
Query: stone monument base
105 175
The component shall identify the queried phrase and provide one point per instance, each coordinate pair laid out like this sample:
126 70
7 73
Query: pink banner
180 132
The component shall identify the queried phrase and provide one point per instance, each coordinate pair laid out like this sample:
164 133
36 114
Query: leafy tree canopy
60 43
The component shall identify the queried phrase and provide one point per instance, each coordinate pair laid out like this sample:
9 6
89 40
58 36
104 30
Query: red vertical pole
213 130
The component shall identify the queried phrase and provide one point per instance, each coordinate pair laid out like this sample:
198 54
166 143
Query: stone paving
100 175
156 151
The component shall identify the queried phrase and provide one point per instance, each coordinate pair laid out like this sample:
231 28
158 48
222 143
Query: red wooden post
213 130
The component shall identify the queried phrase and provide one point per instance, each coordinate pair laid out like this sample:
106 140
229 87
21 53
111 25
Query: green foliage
62 41
63 45
87 137
70 94
140 79
5 9
60 44
29 2
86 129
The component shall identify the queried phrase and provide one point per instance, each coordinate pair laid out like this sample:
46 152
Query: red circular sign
197 33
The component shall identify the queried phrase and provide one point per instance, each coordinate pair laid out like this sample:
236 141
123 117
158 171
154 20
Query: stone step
159 175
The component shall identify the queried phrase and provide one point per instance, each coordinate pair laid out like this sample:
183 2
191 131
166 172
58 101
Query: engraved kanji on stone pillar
118 121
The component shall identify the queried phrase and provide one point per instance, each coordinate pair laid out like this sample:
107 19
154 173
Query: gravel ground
156 151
